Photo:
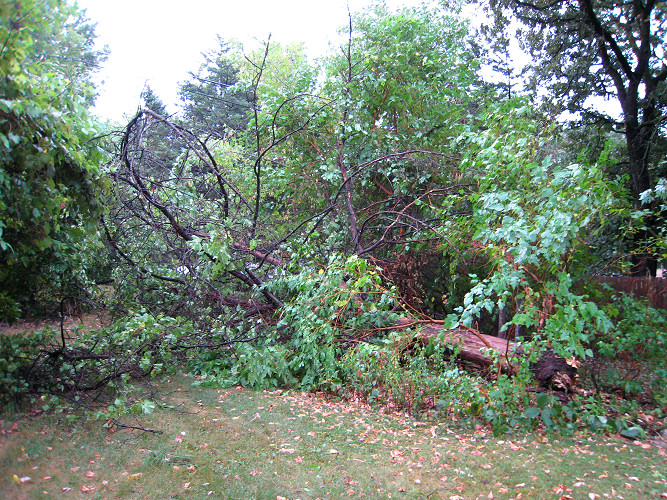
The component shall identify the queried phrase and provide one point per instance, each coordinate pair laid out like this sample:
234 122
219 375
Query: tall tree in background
608 49
46 159
213 102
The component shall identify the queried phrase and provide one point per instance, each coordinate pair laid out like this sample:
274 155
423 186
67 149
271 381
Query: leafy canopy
46 161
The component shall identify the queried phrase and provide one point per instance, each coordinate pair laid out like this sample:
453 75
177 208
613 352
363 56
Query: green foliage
345 300
586 50
633 353
144 341
413 77
214 101
400 372
262 366
589 49
163 270
46 161
639 329
403 81
95 364
18 354
256 360
533 218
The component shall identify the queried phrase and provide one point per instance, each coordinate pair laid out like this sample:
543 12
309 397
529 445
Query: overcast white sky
160 41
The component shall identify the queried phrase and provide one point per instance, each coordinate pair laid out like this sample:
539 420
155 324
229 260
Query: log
551 371
475 347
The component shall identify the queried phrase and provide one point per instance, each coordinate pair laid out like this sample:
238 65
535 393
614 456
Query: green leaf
532 412
631 432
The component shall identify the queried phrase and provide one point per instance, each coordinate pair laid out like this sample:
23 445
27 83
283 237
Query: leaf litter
299 445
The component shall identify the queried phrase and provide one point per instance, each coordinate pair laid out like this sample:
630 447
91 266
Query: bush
403 373
20 355
94 365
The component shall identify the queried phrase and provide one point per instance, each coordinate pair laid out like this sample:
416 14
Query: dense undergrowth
335 335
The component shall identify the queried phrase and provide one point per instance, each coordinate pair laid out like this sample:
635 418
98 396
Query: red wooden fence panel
653 289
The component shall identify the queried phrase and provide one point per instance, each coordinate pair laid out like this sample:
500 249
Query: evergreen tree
213 100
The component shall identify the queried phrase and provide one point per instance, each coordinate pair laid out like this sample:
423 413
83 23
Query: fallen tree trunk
550 370
475 347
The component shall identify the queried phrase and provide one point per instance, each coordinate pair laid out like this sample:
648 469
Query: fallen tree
489 352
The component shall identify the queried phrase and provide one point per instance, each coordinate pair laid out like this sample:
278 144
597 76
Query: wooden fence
653 289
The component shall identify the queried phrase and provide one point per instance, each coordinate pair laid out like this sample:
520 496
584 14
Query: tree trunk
351 213
638 137
551 371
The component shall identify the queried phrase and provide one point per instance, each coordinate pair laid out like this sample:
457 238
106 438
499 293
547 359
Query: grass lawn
238 444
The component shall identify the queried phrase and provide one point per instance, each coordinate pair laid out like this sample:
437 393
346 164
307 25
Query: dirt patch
84 322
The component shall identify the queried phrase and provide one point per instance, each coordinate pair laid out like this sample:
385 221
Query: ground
235 443
87 322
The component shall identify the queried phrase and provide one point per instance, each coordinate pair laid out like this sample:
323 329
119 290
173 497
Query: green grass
238 444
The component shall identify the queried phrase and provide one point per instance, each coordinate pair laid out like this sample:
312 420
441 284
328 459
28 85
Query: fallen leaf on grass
561 488
134 477
645 446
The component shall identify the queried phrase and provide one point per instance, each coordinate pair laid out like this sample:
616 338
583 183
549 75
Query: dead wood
551 371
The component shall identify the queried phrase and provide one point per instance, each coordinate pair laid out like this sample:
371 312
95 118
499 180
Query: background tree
163 144
46 160
394 92
153 102
606 50
213 102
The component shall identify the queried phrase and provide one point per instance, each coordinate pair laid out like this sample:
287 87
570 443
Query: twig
124 426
